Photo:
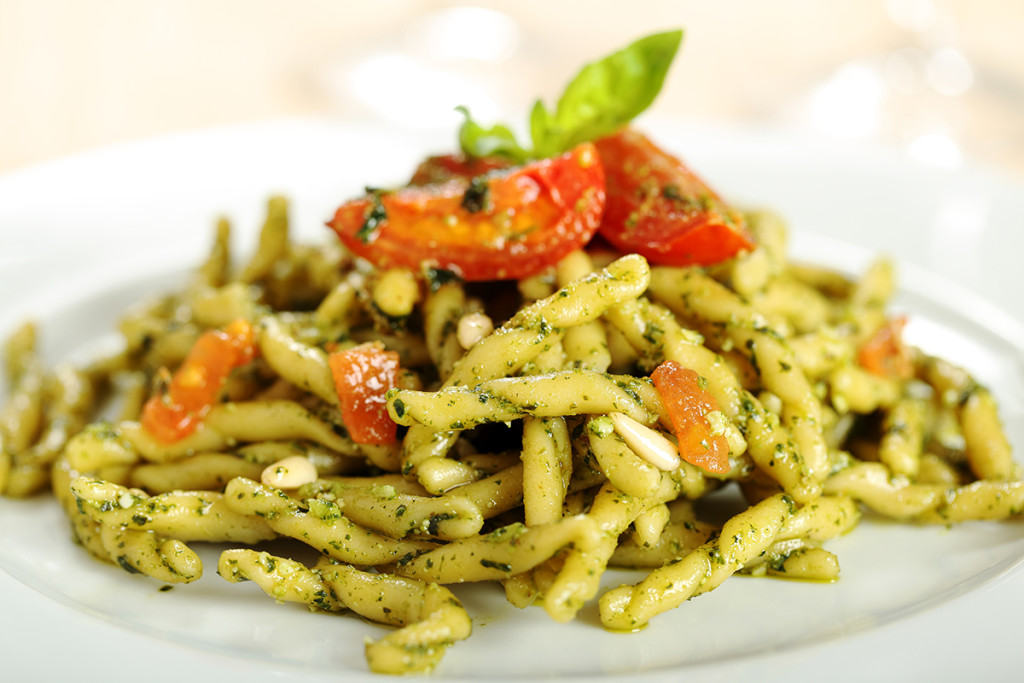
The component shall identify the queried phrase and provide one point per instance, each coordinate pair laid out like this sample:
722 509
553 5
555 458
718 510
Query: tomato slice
445 167
362 377
499 226
885 354
688 403
177 410
658 208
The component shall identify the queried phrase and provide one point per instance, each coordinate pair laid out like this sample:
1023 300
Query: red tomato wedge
659 209
176 412
445 167
885 354
362 377
499 226
688 403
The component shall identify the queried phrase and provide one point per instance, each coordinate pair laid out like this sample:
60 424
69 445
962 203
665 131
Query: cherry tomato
175 412
688 403
885 354
505 225
659 209
362 377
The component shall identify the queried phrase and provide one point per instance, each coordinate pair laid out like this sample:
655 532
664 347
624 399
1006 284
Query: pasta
510 464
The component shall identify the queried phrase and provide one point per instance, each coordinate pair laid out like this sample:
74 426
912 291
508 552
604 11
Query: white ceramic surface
84 237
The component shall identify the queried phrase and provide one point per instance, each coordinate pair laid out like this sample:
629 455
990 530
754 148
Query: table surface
943 79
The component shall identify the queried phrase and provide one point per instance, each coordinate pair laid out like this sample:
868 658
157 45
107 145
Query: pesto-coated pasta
531 445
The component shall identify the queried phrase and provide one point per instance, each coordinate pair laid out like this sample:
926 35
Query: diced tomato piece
445 167
177 410
362 377
688 403
885 354
505 225
658 208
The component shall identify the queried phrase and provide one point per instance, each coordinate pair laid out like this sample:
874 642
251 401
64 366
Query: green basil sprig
604 96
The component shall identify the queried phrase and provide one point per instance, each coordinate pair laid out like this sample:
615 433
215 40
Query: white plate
84 237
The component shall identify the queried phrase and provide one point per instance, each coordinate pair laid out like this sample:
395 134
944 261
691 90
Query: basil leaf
498 140
605 95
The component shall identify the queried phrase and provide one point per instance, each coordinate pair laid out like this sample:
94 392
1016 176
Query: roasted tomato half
502 225
658 208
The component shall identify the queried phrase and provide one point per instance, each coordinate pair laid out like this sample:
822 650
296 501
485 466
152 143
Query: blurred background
941 79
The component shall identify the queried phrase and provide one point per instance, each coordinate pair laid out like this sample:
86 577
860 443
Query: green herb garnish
604 96
375 215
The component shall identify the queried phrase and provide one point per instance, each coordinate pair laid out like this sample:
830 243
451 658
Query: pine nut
289 473
646 443
472 328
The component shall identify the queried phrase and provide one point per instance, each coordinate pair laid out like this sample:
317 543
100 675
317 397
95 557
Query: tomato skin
177 411
658 208
506 225
445 167
688 403
885 354
362 377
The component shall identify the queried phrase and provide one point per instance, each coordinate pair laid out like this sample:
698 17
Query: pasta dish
526 365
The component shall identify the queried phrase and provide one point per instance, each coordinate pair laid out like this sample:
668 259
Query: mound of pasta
418 430
528 365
